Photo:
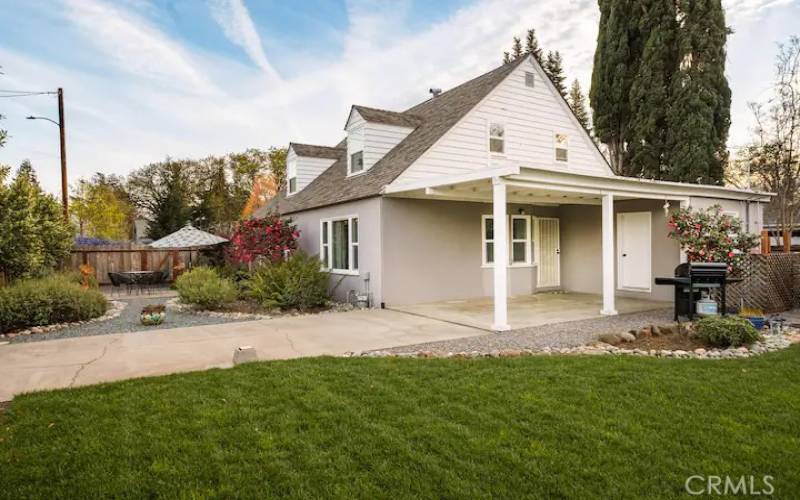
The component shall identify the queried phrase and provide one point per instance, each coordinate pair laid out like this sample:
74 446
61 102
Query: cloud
236 23
743 10
150 94
134 46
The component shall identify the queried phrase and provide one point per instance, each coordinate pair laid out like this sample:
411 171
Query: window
488 239
520 239
519 236
339 245
291 177
324 245
356 162
497 141
562 147
529 81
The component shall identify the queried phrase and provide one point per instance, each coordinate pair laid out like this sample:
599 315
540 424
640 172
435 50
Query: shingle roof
437 115
312 151
386 117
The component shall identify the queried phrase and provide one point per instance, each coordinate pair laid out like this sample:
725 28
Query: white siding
531 117
307 168
375 139
379 139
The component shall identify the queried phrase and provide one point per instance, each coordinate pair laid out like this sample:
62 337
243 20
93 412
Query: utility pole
62 139
63 143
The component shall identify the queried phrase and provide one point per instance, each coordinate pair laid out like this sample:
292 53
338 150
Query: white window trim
363 170
530 258
555 146
527 240
489 137
322 233
289 192
350 244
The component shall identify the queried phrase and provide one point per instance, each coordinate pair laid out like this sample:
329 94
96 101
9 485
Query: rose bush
711 236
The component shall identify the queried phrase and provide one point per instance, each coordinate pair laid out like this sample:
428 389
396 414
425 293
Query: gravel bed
570 334
128 321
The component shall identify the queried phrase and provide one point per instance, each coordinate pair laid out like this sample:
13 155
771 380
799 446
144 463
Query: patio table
140 278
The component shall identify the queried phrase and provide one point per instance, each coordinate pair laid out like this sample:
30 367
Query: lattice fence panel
771 283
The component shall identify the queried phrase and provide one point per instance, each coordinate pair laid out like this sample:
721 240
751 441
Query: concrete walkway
73 362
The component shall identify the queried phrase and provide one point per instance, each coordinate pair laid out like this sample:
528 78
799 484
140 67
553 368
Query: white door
548 252
633 251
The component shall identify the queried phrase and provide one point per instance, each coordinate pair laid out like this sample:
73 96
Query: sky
147 79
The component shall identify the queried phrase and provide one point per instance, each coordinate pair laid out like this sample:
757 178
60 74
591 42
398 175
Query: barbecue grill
691 278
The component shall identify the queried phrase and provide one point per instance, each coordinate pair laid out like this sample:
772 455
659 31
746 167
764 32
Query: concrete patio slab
53 364
529 310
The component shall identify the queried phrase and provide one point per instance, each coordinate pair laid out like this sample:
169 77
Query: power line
23 93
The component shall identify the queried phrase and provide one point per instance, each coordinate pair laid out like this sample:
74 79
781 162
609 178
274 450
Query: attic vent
529 79
435 91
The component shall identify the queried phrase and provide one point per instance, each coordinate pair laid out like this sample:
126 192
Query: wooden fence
771 283
130 257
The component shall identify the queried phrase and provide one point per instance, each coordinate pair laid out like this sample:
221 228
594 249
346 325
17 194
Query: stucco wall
369 236
581 248
432 251
751 213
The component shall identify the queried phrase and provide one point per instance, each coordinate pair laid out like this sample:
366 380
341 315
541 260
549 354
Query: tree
553 66
516 48
774 156
163 192
650 91
532 45
34 237
277 164
577 102
101 208
616 60
3 133
215 211
698 118
506 57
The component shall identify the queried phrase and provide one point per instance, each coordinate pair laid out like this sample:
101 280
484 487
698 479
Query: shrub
295 283
267 238
204 287
45 301
724 331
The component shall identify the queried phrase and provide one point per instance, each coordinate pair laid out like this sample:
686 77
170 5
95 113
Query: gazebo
187 238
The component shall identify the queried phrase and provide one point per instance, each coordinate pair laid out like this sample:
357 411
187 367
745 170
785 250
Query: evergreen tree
34 237
650 90
516 48
616 61
577 101
215 210
506 57
554 69
699 113
532 45
170 206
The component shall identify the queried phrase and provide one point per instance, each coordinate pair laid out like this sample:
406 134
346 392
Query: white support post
500 255
609 308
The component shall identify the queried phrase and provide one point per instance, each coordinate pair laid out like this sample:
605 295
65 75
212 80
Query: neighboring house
405 205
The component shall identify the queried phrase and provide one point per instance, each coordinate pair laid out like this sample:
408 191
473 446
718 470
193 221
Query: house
405 207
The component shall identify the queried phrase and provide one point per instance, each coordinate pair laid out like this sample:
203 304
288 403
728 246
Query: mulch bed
671 342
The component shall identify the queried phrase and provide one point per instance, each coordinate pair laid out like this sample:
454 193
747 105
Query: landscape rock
627 337
611 338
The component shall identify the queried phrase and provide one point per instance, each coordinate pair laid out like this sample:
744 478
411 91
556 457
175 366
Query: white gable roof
530 116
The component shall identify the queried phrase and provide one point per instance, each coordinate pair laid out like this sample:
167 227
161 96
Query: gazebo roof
188 237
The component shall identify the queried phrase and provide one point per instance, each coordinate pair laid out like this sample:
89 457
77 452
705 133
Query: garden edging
176 305
115 309
770 343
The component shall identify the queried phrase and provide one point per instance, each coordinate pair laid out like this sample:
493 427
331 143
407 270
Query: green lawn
577 427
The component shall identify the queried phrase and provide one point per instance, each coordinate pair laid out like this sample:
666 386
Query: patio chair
116 282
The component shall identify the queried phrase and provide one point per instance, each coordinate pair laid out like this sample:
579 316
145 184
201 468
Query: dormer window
562 147
357 162
497 138
291 177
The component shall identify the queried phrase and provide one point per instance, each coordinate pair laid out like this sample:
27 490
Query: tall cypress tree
699 115
553 66
532 45
650 89
577 101
516 48
616 62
